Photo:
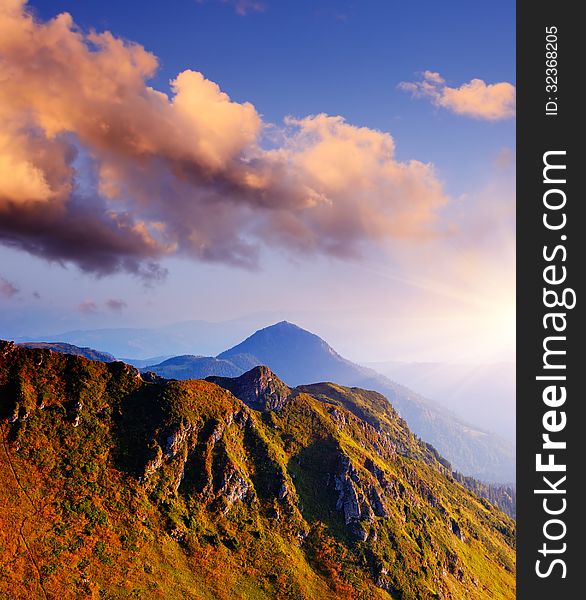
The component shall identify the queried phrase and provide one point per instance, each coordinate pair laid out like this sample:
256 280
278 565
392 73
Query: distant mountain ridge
64 348
481 393
188 366
299 357
188 337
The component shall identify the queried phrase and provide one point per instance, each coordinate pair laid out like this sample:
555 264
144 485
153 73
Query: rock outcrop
258 388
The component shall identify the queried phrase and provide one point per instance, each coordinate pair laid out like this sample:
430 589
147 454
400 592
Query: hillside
300 357
262 390
115 485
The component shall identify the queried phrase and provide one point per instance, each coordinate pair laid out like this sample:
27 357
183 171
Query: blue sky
342 58
339 58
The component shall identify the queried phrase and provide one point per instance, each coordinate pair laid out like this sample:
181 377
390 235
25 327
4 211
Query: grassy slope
112 487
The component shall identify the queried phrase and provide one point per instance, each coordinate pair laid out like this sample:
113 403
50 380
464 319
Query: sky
347 166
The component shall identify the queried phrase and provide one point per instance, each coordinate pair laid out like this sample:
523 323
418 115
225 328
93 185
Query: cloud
505 159
116 305
476 98
7 288
243 7
99 169
88 307
351 187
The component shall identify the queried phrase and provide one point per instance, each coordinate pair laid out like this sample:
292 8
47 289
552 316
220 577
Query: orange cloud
243 7
353 186
100 169
88 307
7 288
474 99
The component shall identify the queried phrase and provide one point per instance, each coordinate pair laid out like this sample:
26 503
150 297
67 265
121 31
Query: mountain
115 485
141 363
259 388
189 366
70 349
299 357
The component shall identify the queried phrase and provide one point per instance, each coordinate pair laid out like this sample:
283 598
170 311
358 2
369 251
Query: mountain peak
284 325
259 388
282 328
291 351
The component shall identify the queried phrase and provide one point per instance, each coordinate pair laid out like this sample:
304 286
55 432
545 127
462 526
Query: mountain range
298 356
117 484
476 392
161 341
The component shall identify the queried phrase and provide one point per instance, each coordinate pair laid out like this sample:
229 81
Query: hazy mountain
194 367
114 485
140 363
70 349
295 354
298 356
480 393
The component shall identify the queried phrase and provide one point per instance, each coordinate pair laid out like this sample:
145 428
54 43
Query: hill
299 357
116 485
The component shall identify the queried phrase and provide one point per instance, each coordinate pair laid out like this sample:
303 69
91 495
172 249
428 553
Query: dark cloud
82 232
116 305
